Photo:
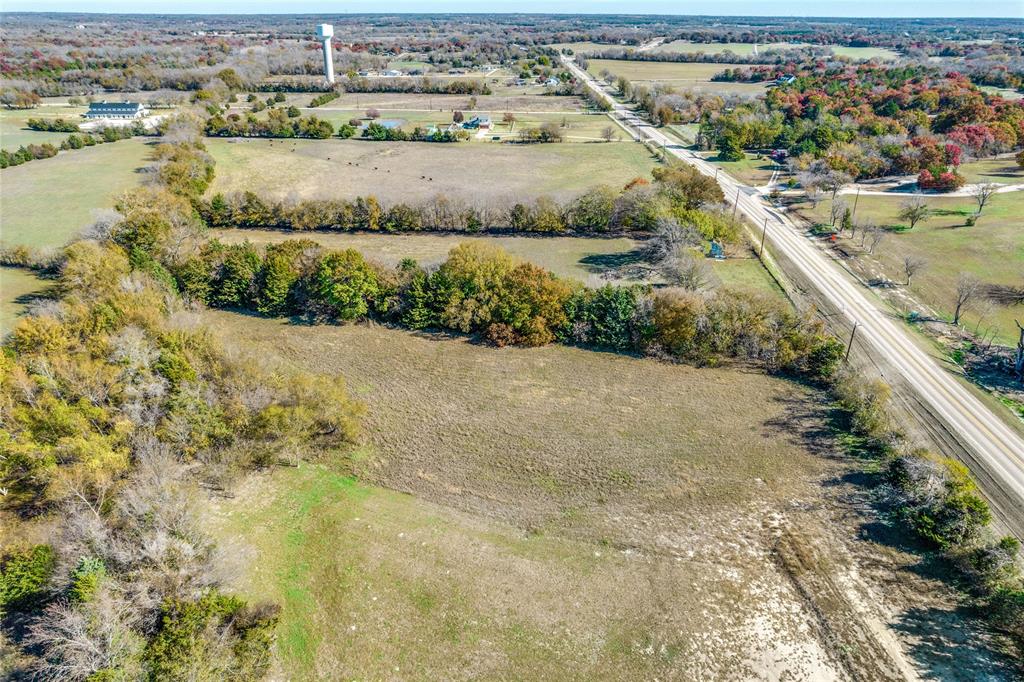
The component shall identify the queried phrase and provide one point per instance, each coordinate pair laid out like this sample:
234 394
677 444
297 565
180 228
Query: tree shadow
944 644
600 263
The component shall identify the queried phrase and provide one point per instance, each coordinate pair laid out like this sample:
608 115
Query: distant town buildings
120 110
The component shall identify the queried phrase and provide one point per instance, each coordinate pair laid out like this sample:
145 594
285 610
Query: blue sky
862 8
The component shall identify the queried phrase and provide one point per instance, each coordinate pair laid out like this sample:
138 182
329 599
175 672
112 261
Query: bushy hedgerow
676 195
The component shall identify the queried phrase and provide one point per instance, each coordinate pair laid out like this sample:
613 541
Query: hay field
415 171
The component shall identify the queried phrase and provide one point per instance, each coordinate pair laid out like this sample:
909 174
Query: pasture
17 289
553 513
681 75
46 202
591 260
416 171
992 250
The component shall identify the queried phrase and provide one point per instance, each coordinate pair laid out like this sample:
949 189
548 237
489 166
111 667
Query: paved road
984 437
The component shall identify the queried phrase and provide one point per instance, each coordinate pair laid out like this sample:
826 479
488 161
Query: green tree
346 282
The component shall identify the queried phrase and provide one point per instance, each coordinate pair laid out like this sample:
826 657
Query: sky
818 8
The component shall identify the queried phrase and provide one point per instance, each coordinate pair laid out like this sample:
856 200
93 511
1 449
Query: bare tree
914 210
608 134
982 192
874 236
836 211
509 119
372 113
689 271
814 195
967 289
913 265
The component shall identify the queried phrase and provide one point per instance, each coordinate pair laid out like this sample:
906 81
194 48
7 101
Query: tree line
680 195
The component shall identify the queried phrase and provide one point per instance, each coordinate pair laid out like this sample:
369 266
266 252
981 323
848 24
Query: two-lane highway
990 442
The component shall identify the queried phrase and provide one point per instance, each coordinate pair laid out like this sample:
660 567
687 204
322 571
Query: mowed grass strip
572 515
47 202
416 171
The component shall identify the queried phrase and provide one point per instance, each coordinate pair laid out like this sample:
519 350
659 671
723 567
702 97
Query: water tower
325 32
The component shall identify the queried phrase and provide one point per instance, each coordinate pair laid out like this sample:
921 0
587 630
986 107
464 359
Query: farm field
589 260
557 513
47 202
411 171
688 76
744 49
992 250
17 287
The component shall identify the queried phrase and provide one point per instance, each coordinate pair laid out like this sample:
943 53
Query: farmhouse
115 110
477 122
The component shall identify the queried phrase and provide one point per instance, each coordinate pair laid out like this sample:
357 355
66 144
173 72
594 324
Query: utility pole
856 200
764 230
849 346
736 203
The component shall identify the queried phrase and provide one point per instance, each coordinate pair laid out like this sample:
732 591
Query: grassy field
751 170
15 133
410 171
17 288
992 250
590 260
745 49
554 514
48 201
547 486
681 75
1003 170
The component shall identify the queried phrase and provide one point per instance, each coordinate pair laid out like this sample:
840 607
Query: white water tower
325 32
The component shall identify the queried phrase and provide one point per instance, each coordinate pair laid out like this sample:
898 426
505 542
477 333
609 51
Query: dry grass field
561 514
680 75
415 171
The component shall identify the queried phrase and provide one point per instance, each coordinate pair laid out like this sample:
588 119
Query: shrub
24 576
937 497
